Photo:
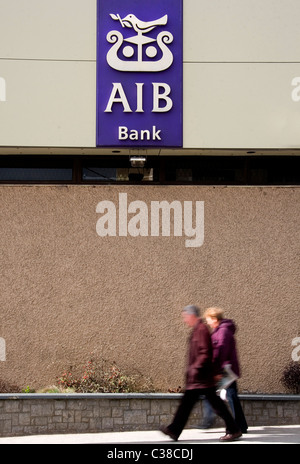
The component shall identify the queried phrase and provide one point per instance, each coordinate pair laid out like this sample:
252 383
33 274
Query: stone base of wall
26 414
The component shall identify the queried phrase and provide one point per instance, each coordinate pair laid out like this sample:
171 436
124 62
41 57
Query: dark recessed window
35 170
94 173
281 170
118 169
175 170
233 170
204 170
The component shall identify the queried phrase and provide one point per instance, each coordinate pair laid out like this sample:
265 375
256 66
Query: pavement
287 434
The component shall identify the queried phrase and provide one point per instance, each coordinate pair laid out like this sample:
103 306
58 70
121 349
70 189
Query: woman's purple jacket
224 347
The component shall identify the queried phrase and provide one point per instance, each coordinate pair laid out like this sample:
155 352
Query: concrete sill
140 396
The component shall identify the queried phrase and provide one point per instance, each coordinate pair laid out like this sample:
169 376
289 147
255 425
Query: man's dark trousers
189 400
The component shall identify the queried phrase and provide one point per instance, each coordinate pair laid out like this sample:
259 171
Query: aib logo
139 73
141 54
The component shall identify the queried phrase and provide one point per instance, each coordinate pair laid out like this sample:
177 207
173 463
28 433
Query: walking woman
225 352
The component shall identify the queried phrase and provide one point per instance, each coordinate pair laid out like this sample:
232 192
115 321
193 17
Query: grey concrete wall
105 413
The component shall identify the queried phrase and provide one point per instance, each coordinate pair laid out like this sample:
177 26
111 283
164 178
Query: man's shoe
230 437
164 429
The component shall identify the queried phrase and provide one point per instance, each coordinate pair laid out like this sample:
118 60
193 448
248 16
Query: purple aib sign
139 73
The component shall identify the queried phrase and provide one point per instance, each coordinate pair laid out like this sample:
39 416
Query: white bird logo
135 56
141 27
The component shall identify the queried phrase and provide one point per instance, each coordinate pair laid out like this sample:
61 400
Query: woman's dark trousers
236 408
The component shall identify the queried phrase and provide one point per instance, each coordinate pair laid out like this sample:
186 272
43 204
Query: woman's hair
214 311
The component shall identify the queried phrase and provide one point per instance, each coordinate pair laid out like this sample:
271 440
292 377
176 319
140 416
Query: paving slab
288 434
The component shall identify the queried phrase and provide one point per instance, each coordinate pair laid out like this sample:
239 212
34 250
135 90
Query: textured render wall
65 291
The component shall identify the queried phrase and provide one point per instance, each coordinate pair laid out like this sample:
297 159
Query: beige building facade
102 263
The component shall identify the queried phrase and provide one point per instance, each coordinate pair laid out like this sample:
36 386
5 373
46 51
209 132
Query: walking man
200 380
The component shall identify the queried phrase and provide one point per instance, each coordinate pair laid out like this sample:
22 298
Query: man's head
191 315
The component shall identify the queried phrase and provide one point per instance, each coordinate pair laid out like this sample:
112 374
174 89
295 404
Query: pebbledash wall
66 290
